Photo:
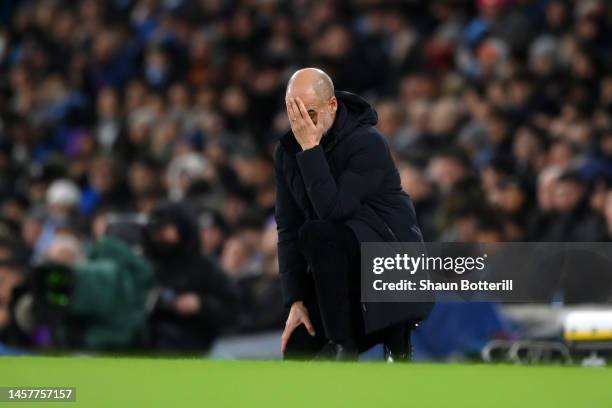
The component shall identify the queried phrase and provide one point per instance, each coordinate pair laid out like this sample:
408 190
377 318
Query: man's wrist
310 146
297 303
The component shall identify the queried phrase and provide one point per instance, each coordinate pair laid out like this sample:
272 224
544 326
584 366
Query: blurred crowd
498 112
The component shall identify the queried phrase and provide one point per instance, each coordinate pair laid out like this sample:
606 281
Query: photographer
196 301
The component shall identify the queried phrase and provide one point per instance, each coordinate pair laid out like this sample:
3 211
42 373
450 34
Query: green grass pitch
142 382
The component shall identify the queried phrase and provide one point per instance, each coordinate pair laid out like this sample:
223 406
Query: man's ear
333 103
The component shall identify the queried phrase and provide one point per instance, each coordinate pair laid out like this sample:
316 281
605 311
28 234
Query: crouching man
337 186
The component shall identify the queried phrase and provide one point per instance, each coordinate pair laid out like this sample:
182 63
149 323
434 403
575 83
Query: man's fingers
291 112
301 119
286 335
309 326
291 326
304 112
296 108
283 342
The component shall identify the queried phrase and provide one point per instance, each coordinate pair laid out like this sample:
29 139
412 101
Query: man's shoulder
368 136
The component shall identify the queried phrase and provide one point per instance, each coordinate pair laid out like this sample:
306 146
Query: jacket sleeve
362 176
289 219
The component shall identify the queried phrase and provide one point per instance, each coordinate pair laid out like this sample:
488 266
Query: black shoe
398 346
338 352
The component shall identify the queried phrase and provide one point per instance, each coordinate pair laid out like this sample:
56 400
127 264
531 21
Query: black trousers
333 295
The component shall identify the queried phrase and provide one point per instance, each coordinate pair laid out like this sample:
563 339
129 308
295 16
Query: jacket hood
353 111
185 220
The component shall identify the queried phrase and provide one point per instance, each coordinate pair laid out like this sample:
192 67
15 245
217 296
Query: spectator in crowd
574 220
260 293
62 199
196 301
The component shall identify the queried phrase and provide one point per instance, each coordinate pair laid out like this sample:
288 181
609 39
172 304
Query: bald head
315 89
311 81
